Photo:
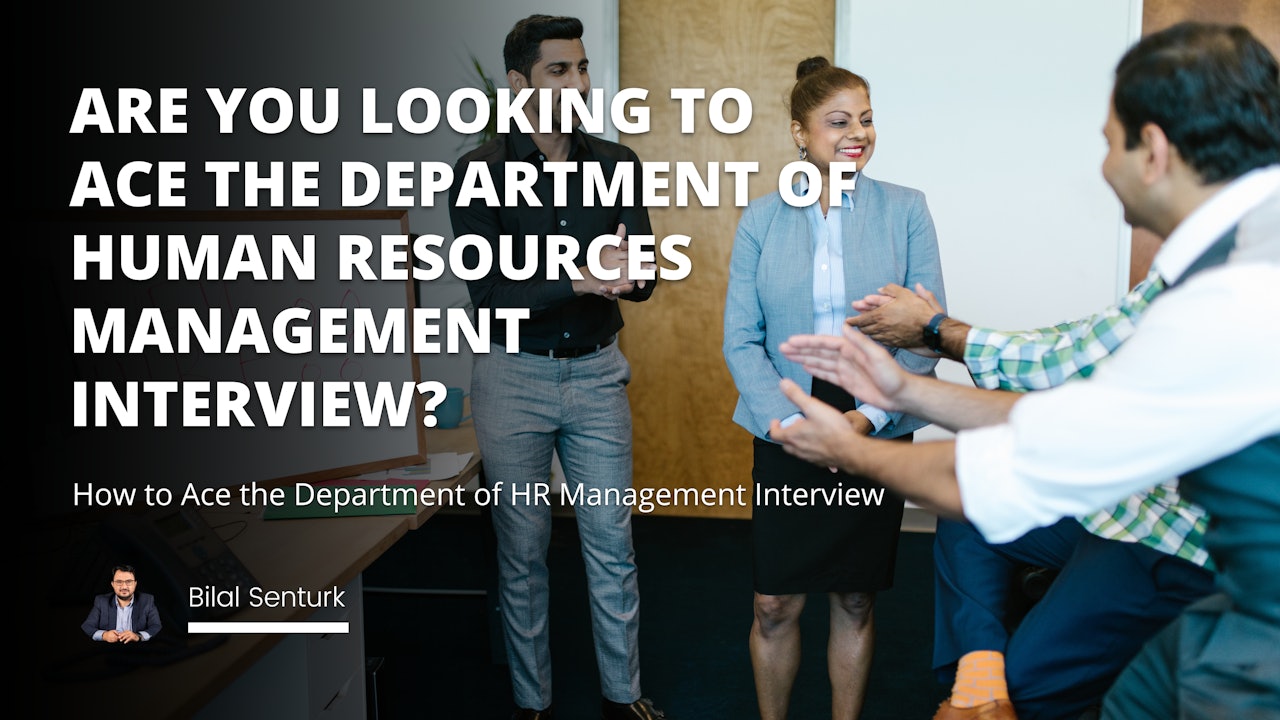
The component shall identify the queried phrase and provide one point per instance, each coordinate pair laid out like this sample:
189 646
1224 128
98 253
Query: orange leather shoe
994 710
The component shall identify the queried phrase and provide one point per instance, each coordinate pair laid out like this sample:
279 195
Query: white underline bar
270 628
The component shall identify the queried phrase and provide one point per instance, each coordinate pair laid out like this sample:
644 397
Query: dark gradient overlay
287 44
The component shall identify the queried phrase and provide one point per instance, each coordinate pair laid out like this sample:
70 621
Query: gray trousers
524 406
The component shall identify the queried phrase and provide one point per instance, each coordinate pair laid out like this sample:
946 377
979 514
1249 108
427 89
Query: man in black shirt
565 390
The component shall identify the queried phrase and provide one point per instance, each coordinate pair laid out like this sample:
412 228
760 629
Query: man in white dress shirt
1192 390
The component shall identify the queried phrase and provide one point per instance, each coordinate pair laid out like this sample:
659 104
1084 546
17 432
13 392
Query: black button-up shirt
558 318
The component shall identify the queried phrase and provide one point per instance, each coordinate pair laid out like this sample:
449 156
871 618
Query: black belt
569 353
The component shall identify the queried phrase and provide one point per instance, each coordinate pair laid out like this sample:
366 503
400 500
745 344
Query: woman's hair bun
811 65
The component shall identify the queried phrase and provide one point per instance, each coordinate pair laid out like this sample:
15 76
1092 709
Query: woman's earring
804 152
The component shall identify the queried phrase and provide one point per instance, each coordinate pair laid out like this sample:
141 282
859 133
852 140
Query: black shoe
527 714
641 709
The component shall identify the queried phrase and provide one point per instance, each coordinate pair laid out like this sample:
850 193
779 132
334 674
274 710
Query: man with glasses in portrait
123 615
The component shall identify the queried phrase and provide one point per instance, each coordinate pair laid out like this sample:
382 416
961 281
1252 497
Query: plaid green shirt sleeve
1047 357
1050 356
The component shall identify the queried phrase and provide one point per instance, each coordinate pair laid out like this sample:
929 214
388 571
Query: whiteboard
173 455
995 110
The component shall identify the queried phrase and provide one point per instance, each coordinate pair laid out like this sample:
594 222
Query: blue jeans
525 406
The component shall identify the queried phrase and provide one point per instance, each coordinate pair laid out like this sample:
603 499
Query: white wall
994 109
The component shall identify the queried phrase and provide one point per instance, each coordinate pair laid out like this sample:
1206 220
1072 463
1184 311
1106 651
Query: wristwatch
933 333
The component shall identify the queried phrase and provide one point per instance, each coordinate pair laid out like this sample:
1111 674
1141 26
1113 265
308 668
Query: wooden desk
313 554
461 439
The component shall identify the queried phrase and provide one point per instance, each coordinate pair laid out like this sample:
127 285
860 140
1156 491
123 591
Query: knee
776 612
523 547
857 606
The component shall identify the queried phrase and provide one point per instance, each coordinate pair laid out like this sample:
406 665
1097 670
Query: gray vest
1241 493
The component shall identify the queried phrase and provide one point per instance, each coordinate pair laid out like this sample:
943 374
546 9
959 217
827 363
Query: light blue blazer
888 238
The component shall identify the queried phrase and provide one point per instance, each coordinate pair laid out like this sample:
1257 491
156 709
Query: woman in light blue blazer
796 270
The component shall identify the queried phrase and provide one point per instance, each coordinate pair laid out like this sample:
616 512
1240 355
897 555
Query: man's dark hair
1213 89
123 568
524 43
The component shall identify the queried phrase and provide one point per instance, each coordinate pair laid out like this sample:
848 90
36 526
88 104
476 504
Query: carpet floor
429 617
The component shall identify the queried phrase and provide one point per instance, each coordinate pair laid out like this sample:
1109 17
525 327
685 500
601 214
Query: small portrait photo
123 615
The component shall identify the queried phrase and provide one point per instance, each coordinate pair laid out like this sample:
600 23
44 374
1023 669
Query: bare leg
775 651
849 649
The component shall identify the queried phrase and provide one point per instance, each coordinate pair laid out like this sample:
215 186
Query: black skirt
817 531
